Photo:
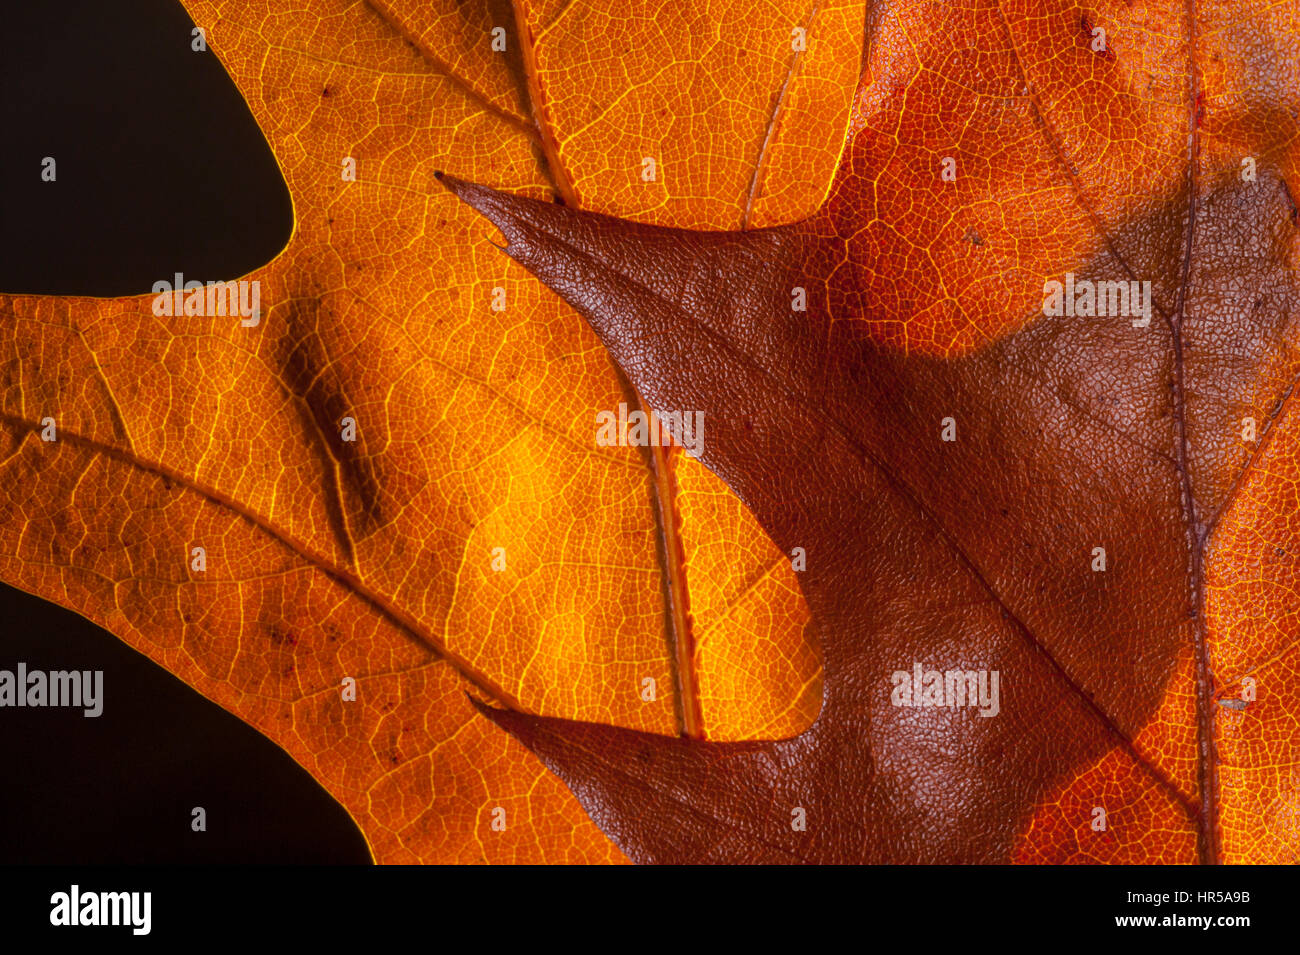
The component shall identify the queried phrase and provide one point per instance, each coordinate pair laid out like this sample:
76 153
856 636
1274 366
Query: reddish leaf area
925 302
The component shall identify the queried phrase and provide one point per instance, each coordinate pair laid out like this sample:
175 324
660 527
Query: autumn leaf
380 488
1077 497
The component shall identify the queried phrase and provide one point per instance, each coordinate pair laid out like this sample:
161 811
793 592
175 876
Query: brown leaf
1121 428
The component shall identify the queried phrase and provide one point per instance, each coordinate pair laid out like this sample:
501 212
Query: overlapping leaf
373 559
1149 707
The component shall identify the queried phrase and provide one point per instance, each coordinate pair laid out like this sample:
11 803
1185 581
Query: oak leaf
394 483
1095 503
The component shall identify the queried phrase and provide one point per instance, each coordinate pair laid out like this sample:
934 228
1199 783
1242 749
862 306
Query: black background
160 169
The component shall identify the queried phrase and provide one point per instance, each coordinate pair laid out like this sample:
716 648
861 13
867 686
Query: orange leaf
387 473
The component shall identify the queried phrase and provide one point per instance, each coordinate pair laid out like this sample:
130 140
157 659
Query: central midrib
1207 835
678 623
